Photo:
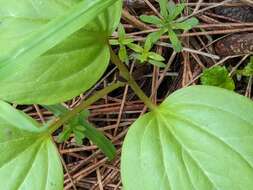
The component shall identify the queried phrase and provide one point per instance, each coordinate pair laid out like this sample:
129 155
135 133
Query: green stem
130 80
58 122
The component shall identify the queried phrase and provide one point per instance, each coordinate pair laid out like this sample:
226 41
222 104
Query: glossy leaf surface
199 138
53 50
29 159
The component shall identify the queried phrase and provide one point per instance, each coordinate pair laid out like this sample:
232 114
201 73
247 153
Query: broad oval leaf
53 50
29 159
200 138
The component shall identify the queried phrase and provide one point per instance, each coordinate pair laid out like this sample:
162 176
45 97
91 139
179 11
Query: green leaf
163 8
175 10
155 36
135 47
100 140
85 114
176 44
79 134
148 43
79 128
157 63
151 19
171 7
142 57
155 56
56 109
64 135
114 42
199 138
186 25
121 32
29 158
44 44
247 70
80 124
128 41
217 76
123 54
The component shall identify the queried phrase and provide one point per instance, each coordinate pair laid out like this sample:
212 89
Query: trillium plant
199 138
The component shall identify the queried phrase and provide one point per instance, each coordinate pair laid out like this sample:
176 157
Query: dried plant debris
136 3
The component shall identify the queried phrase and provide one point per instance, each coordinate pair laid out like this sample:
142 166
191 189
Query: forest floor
223 37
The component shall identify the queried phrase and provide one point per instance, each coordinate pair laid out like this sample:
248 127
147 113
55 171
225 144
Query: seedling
247 71
122 41
142 54
218 76
169 23
73 126
198 138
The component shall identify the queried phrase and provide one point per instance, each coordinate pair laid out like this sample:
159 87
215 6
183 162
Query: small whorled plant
217 76
199 138
142 54
168 23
